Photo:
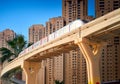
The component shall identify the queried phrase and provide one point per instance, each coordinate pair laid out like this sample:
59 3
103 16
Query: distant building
54 66
75 65
105 6
36 32
110 60
75 68
75 9
54 24
5 36
110 57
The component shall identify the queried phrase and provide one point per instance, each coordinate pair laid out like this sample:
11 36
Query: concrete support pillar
31 70
91 52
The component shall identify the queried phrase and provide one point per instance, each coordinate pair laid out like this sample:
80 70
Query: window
101 5
101 2
116 2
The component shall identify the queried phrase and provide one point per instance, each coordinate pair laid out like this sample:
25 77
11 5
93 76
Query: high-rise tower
110 57
74 9
75 65
105 6
36 32
54 66
110 60
54 24
5 36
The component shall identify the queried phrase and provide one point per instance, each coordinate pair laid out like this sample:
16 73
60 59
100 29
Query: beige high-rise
74 9
5 36
54 24
110 60
36 32
110 57
105 6
75 65
54 66
75 68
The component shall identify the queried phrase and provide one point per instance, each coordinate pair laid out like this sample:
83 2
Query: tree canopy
15 46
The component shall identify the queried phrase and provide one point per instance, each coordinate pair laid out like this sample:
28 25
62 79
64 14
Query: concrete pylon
91 52
31 70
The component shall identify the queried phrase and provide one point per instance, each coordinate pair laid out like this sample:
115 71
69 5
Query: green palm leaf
6 54
16 46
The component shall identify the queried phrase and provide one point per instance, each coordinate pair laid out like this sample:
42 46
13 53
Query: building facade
74 9
110 57
75 68
75 65
54 24
5 36
36 32
54 66
110 60
105 6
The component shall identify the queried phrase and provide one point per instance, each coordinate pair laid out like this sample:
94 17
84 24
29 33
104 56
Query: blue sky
19 15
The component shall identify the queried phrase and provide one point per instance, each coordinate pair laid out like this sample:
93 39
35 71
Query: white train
68 28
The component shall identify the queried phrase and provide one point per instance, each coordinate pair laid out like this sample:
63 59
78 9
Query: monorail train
66 29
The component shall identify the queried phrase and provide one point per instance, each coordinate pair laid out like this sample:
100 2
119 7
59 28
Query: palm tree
15 47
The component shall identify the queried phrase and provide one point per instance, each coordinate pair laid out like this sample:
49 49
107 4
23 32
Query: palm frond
6 54
16 45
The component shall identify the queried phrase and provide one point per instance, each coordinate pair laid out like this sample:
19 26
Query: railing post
31 70
91 52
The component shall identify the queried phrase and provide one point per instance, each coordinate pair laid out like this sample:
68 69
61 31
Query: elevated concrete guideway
93 33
